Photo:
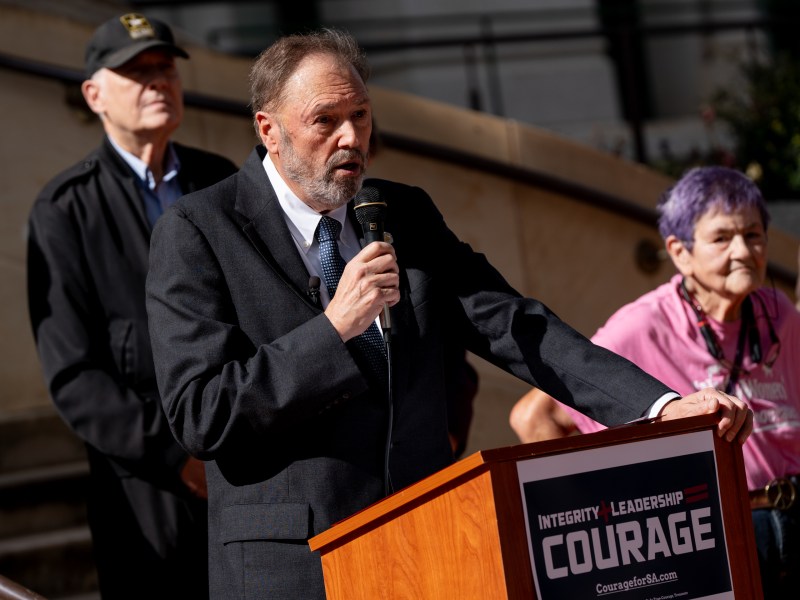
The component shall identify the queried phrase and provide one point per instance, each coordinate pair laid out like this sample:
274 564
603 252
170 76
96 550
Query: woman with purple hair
713 324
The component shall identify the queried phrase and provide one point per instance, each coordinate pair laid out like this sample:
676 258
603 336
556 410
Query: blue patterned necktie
370 343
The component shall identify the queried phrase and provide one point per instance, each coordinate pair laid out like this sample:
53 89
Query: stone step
45 544
41 499
35 438
56 564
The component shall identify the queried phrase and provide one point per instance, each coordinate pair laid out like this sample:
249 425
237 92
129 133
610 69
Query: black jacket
87 263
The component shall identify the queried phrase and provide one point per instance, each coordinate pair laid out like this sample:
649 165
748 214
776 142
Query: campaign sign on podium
639 521
655 511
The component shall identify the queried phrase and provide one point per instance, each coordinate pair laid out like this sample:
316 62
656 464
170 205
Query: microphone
313 289
371 213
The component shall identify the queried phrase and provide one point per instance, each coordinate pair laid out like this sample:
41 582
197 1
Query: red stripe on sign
696 498
703 487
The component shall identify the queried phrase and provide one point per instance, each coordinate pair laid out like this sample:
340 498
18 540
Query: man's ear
681 256
92 94
268 131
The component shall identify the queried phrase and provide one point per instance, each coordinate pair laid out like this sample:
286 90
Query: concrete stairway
44 540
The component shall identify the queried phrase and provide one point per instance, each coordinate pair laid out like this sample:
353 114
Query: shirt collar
142 171
301 218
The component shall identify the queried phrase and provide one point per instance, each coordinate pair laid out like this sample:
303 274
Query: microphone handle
372 233
386 319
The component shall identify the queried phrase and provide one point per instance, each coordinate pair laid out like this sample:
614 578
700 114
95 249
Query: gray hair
275 65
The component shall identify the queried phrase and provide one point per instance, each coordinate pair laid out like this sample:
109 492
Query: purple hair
700 190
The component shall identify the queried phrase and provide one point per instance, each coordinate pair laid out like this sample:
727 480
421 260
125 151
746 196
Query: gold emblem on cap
137 25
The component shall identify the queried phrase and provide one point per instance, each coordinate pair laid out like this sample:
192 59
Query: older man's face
143 97
323 129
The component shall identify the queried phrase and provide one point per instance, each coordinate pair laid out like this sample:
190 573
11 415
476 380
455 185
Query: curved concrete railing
563 222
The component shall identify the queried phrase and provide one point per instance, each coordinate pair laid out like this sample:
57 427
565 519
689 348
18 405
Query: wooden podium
465 532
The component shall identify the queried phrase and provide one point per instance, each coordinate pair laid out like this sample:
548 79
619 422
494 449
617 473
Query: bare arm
537 417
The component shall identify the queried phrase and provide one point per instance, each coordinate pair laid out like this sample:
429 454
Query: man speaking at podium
266 317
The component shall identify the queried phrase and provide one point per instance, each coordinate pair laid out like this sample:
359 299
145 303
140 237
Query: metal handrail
11 590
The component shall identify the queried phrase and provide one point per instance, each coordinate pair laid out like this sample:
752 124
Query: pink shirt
659 333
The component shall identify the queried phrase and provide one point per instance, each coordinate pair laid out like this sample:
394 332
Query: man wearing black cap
87 261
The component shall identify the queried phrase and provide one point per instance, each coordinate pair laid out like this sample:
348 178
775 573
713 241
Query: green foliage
761 116
764 120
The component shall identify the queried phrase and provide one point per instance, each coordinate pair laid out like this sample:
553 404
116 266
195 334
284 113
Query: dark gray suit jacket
255 379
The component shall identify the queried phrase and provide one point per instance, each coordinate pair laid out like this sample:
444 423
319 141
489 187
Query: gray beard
324 191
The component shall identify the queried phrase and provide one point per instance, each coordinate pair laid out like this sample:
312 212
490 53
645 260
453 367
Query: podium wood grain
460 533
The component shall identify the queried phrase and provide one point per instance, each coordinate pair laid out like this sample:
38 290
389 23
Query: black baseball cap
120 39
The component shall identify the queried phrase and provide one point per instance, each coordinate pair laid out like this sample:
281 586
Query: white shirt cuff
657 406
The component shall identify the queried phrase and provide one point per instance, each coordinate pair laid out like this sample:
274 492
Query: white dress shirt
303 221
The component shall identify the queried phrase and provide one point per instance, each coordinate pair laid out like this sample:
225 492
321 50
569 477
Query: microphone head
369 207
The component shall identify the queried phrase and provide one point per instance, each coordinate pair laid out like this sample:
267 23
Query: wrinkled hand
193 474
736 420
369 281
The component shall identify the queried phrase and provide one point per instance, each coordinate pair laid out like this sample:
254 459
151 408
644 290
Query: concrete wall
577 258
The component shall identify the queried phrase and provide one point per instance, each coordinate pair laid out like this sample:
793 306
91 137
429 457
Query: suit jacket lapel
265 227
